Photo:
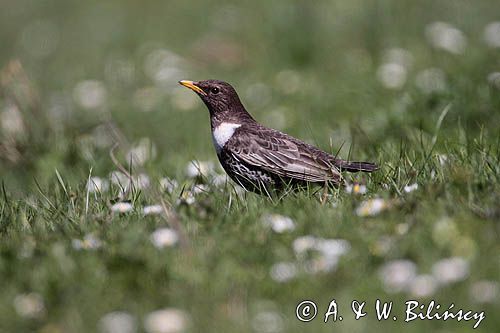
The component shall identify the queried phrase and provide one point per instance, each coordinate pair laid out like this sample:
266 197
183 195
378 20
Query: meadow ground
114 214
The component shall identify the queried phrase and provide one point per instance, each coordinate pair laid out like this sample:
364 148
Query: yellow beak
192 86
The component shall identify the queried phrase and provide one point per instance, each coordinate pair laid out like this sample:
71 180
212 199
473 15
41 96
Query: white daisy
90 94
397 275
167 320
164 237
279 223
283 271
89 242
29 305
122 207
268 321
411 188
304 243
447 37
152 210
199 168
431 80
356 188
491 34
97 184
117 322
423 286
141 152
371 207
450 270
485 291
392 75
168 185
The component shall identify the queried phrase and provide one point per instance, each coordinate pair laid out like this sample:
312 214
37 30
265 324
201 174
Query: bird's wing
283 155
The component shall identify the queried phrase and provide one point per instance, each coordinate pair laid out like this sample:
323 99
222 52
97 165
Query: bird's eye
214 90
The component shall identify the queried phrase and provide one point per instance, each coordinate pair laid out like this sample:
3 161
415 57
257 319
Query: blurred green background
370 78
310 68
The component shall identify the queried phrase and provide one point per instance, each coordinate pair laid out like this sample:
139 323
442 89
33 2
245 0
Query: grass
309 69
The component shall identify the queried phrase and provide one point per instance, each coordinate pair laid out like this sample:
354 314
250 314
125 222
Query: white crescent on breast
222 133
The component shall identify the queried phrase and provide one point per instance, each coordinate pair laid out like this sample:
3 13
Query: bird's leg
324 197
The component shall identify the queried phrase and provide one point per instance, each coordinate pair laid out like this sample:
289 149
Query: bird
261 159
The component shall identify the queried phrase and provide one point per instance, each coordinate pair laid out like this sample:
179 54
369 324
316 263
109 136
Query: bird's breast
222 133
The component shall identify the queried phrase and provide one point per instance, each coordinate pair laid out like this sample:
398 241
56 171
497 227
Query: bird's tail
357 166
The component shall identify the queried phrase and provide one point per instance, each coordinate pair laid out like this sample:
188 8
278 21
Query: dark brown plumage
262 159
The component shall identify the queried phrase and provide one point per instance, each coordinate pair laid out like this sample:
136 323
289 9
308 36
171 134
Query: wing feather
282 155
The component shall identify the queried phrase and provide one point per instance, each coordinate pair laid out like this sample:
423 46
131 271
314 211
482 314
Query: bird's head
219 96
